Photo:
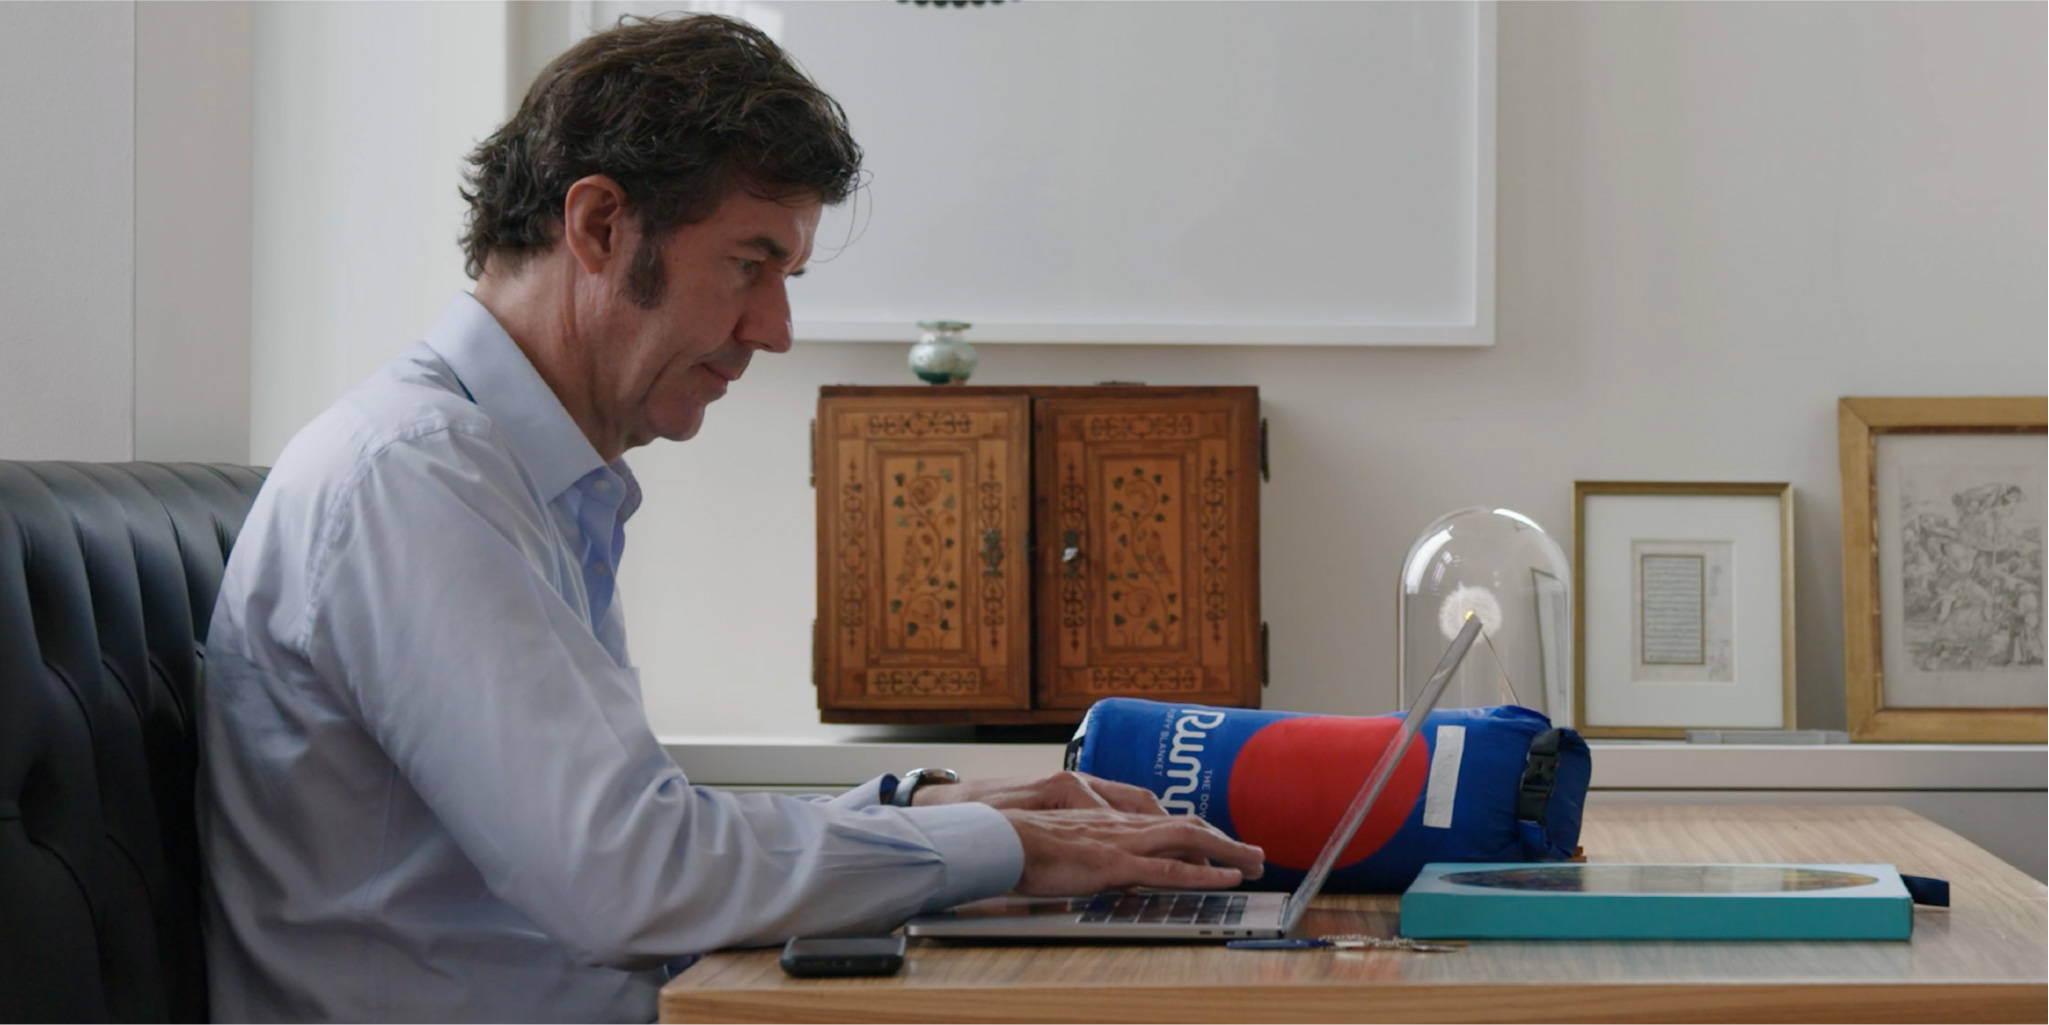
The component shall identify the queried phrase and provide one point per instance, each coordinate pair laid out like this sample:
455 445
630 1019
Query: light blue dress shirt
428 787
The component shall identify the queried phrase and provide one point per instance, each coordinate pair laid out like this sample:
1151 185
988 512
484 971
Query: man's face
721 298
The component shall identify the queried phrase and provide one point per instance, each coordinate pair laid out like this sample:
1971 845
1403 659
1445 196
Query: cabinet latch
1265 472
1265 656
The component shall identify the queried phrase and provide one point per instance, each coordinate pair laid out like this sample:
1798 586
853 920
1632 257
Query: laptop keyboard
1195 908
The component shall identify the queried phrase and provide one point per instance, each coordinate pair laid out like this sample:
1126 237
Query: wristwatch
907 787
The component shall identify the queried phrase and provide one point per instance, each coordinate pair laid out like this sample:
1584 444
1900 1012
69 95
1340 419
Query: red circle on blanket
1294 778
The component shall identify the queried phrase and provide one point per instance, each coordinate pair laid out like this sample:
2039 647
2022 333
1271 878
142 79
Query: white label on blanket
1443 787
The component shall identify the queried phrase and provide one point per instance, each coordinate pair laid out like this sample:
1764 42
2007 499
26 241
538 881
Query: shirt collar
504 384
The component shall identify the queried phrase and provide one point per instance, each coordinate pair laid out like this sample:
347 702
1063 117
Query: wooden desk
1981 960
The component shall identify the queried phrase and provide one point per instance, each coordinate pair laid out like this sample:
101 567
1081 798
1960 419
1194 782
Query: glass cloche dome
1500 566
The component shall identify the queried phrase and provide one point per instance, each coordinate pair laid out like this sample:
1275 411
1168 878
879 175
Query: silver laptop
1196 914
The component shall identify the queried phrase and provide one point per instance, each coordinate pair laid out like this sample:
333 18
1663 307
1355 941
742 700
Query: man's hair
678 111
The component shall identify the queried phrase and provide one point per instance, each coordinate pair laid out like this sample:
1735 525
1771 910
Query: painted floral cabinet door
924 587
1148 548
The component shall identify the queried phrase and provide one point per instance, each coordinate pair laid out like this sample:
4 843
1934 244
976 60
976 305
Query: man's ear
594 222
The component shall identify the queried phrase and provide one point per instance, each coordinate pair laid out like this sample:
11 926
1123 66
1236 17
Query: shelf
1631 765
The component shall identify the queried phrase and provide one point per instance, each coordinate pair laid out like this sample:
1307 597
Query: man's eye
748 266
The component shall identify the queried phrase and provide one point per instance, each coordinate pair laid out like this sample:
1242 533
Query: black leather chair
108 573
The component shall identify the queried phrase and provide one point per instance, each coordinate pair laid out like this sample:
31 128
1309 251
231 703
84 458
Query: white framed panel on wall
1126 172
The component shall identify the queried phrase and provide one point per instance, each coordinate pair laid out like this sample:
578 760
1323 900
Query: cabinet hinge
1264 472
1265 655
814 453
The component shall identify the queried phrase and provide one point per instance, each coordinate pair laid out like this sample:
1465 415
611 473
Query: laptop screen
1383 770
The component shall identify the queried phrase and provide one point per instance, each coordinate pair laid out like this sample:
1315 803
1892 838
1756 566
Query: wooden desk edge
1616 1002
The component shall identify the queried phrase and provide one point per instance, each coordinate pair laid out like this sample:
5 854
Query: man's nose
765 324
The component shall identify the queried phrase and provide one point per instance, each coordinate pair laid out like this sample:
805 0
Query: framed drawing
1682 607
1943 509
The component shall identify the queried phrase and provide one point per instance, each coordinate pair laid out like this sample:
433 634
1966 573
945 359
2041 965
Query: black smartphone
844 955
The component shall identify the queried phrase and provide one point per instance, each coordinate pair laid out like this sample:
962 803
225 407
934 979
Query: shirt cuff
867 795
977 848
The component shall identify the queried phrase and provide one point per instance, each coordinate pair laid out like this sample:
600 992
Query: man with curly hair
429 790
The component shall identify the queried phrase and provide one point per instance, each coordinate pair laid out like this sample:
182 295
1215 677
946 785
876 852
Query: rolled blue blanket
1480 784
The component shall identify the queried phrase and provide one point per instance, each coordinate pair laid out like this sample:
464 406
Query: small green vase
942 356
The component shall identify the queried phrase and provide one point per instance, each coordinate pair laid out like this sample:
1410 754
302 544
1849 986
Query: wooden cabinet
1011 555
924 599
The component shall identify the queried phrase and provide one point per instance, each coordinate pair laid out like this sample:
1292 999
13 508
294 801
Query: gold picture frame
1581 491
1862 423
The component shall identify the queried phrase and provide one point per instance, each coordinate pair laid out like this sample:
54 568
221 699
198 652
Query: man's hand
1074 790
1071 852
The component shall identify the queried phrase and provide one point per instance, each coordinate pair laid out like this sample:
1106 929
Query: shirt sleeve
437 617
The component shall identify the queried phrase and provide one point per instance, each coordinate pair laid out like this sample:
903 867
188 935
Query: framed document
1683 616
1943 514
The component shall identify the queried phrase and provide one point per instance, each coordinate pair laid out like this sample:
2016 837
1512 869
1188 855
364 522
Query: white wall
1714 219
362 115
192 213
67 284
243 209
124 289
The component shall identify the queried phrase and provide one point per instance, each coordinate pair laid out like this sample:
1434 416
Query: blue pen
1301 944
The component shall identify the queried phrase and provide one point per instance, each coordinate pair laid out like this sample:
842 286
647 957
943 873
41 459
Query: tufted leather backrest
108 573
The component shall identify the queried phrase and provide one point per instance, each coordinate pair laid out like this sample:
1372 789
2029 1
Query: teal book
1556 901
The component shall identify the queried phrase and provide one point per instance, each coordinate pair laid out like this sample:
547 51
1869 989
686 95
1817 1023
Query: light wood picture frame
1974 522
1740 557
